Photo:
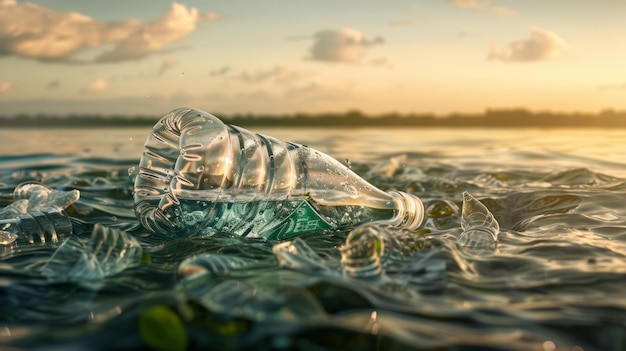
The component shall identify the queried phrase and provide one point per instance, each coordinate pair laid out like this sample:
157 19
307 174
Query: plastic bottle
108 251
46 225
198 174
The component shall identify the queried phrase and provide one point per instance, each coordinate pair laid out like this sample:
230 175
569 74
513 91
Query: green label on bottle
303 219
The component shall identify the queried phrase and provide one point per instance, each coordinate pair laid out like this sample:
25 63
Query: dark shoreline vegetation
353 118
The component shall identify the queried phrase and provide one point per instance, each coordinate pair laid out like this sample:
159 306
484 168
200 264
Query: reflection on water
553 282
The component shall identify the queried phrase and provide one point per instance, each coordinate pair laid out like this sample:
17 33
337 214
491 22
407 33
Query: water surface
554 282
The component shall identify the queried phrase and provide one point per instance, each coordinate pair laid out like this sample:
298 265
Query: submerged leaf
162 329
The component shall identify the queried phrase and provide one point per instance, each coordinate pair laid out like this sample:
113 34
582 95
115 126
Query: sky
146 57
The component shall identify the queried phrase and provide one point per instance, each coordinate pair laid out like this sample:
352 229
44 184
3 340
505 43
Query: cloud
31 31
95 87
279 74
55 84
4 87
222 71
320 91
346 45
483 6
541 45
167 65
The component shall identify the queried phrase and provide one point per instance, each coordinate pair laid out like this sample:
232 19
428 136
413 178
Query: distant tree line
353 118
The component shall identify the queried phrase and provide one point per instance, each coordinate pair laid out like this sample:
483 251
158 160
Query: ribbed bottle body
198 174
47 225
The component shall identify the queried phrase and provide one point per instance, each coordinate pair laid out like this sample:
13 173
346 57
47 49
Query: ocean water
555 281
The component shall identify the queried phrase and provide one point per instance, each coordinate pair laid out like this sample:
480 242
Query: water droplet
200 169
131 170
350 189
348 163
549 345
114 218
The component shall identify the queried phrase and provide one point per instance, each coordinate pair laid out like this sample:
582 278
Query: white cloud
167 65
541 45
346 45
95 87
483 6
4 87
31 31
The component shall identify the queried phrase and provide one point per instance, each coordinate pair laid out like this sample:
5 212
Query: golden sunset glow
281 57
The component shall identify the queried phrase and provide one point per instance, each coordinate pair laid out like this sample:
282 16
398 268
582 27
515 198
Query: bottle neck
410 210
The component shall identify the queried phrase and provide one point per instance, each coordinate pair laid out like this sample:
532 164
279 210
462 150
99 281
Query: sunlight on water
554 281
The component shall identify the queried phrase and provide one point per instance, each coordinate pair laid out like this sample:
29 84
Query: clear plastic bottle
46 225
199 174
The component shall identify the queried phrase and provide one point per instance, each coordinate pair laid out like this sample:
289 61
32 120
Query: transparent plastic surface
214 264
368 248
297 254
480 228
14 209
198 175
47 225
40 196
108 251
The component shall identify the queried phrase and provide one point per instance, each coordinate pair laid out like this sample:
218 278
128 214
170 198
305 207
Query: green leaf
161 329
146 258
423 231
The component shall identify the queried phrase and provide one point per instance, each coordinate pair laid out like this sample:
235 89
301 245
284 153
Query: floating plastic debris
240 298
369 247
198 175
7 238
107 252
215 265
390 167
14 209
47 225
480 228
298 254
40 196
